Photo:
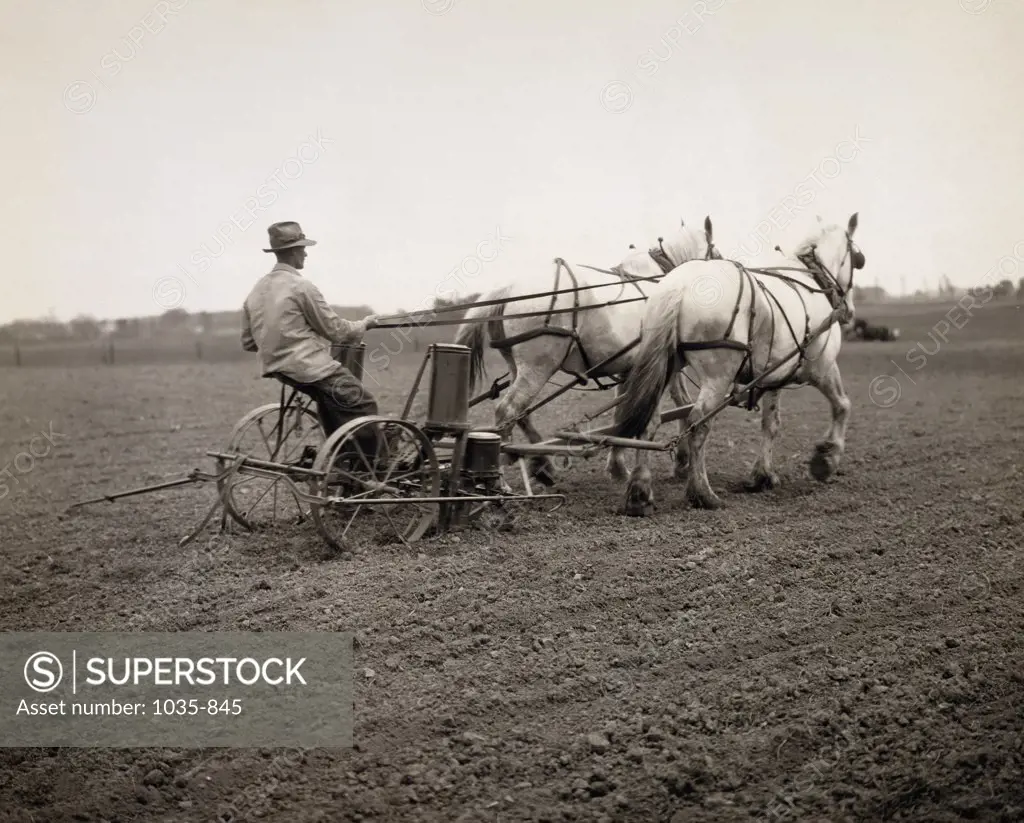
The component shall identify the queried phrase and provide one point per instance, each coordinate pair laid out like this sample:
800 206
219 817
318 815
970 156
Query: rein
392 318
460 320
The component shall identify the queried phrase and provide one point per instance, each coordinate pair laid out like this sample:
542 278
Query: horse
567 335
758 323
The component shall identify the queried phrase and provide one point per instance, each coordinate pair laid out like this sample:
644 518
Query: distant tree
1003 289
870 294
1020 289
85 327
946 287
174 318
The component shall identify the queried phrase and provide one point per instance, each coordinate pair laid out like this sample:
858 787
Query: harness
658 255
828 284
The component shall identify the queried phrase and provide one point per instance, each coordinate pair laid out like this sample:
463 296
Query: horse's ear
819 218
682 223
707 225
852 227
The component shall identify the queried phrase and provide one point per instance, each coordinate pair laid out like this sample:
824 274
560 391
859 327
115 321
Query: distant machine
863 330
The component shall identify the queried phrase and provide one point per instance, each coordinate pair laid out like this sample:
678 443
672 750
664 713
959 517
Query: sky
150 144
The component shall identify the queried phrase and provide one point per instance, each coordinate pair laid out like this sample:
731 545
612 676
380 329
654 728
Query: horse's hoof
762 481
824 462
542 470
544 476
681 471
708 501
639 502
618 471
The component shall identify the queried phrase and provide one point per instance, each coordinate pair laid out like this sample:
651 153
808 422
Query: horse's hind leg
525 424
712 392
763 475
680 397
616 464
535 366
639 488
828 453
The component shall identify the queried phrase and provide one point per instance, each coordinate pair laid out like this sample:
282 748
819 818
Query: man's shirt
286 319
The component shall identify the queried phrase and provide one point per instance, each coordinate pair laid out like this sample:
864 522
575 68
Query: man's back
291 326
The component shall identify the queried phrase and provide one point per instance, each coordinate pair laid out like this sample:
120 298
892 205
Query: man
286 319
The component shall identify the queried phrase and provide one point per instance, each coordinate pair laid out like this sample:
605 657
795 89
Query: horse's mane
685 240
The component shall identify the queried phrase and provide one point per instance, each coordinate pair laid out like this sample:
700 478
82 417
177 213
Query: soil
842 651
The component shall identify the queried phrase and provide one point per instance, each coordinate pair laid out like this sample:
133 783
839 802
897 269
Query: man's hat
287 235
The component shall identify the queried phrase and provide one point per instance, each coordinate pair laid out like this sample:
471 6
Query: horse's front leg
763 475
828 453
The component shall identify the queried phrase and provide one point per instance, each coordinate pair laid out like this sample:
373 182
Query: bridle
829 282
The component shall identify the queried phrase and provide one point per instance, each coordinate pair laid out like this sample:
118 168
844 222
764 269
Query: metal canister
350 355
449 387
483 455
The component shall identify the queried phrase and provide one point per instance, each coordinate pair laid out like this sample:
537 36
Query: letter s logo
43 672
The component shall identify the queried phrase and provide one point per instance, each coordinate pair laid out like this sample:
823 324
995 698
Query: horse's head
832 256
639 264
684 245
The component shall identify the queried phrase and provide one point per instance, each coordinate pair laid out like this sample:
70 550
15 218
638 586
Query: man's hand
370 321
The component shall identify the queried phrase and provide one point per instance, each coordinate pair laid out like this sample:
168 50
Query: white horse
730 325
568 336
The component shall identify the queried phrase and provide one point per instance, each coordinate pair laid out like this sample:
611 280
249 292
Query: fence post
17 354
199 349
110 353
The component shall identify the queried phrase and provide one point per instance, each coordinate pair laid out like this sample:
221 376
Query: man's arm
326 322
248 343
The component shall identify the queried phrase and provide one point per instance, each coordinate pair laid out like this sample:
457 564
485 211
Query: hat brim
295 244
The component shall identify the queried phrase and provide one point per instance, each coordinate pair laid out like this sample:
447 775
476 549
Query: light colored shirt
286 319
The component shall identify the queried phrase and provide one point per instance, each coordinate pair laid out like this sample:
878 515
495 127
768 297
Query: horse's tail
655 363
474 333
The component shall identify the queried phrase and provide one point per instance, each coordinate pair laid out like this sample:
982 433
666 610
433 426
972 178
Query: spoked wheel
375 459
261 500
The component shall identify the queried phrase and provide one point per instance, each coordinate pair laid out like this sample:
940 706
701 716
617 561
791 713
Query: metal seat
286 383
300 400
